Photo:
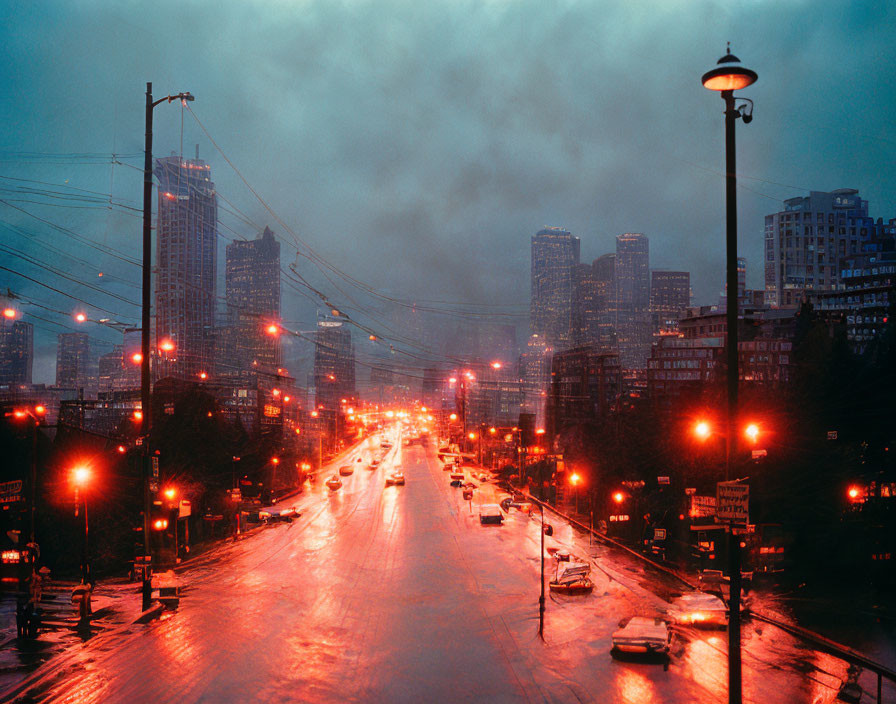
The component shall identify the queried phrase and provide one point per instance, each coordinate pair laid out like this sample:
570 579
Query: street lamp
81 477
574 479
145 389
36 415
727 77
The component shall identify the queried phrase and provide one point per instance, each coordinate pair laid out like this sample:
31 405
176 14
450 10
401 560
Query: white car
701 609
641 634
346 469
490 513
334 483
395 478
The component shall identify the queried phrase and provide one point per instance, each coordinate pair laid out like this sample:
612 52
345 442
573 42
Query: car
448 467
701 609
456 483
278 514
457 475
490 514
334 483
375 463
395 478
386 445
484 477
642 634
346 469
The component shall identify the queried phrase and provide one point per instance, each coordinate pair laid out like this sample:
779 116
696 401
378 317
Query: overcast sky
418 145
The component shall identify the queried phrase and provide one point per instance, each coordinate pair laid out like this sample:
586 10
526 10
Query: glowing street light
9 313
618 497
752 432
272 329
453 416
496 365
80 317
166 345
136 358
81 477
702 430
575 479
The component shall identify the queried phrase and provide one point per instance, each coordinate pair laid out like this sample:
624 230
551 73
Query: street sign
153 486
184 508
659 533
155 467
759 454
733 502
662 480
832 435
702 506
11 491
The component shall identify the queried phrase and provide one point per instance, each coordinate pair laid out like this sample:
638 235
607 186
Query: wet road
398 594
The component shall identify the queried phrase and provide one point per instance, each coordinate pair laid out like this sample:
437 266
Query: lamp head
729 74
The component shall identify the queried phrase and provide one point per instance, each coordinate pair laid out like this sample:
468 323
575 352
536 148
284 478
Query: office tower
334 363
16 351
554 254
588 305
110 370
186 257
633 300
805 242
252 286
604 268
670 295
73 360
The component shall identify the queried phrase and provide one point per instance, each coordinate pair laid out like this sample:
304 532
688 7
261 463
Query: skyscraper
334 363
16 351
554 254
670 295
73 360
633 300
806 241
588 305
604 268
186 257
253 302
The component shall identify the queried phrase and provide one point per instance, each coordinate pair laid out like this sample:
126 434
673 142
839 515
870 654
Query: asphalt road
398 594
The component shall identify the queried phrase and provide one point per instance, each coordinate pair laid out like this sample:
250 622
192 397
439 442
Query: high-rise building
670 296
604 268
334 363
110 370
588 305
554 254
186 259
805 242
633 300
252 292
16 351
73 360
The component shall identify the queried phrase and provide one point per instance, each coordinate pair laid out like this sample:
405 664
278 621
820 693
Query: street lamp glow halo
729 75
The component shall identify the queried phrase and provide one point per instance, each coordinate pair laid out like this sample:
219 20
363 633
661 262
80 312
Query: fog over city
417 147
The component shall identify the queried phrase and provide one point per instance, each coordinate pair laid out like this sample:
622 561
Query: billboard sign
11 491
733 502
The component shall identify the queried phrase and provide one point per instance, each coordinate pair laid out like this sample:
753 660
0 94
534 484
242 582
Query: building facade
16 351
585 385
555 252
252 293
633 300
670 296
73 361
334 363
186 261
805 242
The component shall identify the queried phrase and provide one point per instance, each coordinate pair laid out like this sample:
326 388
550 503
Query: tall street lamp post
727 77
81 476
35 416
145 389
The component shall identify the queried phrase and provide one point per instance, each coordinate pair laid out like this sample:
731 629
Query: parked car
334 483
490 513
346 469
701 609
641 634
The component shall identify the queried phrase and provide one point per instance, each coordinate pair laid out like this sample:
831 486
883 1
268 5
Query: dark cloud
419 145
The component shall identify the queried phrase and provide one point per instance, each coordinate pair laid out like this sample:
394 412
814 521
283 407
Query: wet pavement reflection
398 594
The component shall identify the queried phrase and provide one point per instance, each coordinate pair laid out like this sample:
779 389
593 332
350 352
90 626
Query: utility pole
145 381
